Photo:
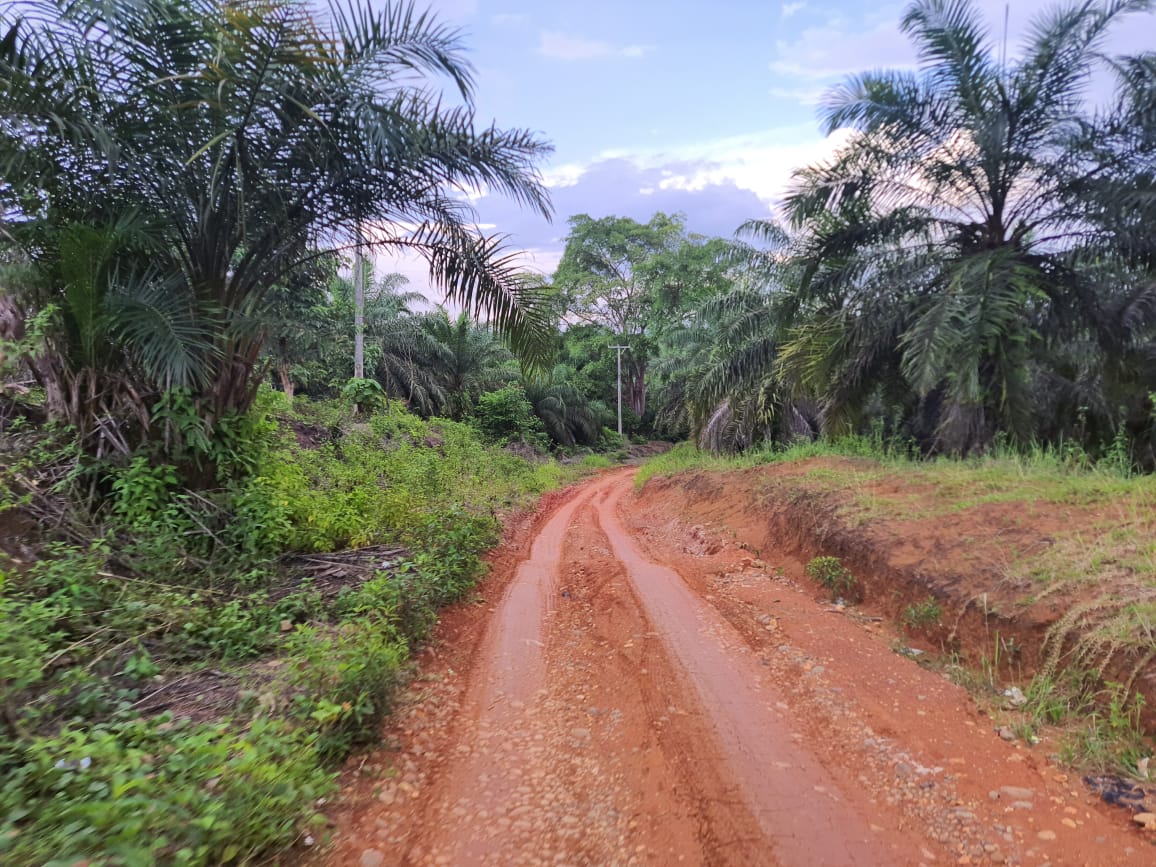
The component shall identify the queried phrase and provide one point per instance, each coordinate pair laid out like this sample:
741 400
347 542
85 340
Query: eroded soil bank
637 684
1022 572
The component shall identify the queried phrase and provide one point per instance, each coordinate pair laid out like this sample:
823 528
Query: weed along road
631 688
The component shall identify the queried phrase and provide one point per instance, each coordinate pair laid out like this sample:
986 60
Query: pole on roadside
358 310
620 348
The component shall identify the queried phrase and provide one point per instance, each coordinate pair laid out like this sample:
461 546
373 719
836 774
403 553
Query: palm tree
439 365
244 140
944 244
568 417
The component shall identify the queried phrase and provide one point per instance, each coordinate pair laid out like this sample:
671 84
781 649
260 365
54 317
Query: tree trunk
634 385
286 379
283 367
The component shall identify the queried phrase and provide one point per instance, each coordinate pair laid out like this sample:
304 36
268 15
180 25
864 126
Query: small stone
1070 823
372 858
1046 835
1017 793
1006 733
286 625
1015 696
1145 820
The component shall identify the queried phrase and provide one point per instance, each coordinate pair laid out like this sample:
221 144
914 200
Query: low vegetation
179 686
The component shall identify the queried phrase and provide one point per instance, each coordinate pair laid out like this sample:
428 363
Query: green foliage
830 573
179 581
165 275
345 677
506 415
1109 735
367 394
157 791
922 615
597 462
142 491
28 634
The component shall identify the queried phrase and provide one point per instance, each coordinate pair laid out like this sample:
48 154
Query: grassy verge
179 688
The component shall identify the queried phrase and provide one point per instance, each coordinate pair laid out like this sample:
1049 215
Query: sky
690 106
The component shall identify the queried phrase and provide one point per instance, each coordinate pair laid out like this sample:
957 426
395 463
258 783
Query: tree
439 365
946 246
606 277
167 165
310 324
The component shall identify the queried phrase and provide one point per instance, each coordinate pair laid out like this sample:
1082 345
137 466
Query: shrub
921 615
157 792
506 415
834 576
346 677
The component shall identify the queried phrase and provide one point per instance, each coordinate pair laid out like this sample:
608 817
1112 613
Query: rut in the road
641 697
604 731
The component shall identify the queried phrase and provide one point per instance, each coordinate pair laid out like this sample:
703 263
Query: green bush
921 615
506 415
834 576
180 579
345 677
366 394
157 792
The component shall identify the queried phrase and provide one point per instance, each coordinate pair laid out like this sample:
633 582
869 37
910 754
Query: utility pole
620 348
358 311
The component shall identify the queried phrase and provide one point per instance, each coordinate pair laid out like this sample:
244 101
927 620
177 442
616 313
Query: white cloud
831 52
565 175
759 162
789 9
563 46
510 19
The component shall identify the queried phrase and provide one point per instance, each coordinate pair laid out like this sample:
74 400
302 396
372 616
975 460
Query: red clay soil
633 687
961 559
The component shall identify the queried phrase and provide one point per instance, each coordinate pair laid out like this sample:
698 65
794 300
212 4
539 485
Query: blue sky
685 105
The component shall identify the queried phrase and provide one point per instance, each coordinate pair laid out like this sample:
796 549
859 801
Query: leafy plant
922 615
366 394
1109 736
506 415
345 679
834 576
157 791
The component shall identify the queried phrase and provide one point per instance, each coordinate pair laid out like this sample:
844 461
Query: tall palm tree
943 243
246 139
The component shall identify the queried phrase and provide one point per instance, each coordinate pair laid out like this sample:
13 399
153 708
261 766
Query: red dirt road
639 691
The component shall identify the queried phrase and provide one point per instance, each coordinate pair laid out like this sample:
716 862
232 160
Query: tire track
750 719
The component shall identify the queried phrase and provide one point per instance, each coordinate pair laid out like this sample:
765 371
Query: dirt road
634 690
